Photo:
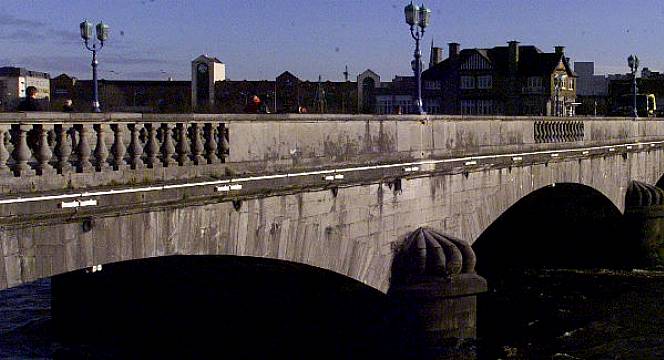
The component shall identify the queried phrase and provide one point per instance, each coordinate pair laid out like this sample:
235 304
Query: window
467 82
467 107
563 82
484 107
432 85
484 82
533 84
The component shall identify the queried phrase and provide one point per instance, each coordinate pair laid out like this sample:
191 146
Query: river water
543 314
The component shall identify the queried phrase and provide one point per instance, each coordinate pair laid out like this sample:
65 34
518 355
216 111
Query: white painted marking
224 188
236 187
629 147
69 204
612 149
429 163
469 163
338 176
517 158
88 202
328 177
555 155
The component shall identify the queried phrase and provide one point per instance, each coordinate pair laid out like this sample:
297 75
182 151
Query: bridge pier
435 291
644 219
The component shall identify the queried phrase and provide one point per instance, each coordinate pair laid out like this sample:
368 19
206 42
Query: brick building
509 80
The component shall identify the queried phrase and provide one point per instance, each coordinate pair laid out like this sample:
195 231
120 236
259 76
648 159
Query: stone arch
231 302
563 224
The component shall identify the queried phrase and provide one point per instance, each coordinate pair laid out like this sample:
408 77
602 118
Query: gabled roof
532 61
287 75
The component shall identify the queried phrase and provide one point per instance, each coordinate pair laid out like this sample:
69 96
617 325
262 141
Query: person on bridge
68 106
256 106
30 103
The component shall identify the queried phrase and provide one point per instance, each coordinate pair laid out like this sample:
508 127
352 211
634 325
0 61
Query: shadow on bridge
563 225
235 307
566 226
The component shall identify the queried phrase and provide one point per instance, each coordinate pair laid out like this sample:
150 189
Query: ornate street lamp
102 35
633 62
417 17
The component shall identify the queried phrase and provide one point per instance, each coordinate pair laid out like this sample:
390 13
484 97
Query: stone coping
38 117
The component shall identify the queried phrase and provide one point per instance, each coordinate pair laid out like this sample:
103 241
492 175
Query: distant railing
89 147
558 131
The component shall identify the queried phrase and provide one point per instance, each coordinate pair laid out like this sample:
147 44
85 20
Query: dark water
544 314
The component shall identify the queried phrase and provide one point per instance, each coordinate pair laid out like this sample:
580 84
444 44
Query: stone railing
558 131
56 151
86 148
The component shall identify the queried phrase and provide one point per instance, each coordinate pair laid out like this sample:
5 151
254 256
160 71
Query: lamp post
633 62
418 18
102 35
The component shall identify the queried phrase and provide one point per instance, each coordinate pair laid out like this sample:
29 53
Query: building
592 90
621 85
206 71
287 94
210 91
147 96
13 84
509 80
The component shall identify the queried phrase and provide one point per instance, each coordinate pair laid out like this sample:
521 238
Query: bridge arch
211 304
560 225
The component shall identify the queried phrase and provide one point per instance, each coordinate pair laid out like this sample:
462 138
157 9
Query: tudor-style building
505 80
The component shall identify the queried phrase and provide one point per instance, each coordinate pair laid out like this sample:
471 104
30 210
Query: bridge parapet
57 151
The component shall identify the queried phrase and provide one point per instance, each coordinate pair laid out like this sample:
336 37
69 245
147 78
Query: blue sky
258 39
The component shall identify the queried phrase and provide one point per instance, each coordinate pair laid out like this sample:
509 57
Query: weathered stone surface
351 227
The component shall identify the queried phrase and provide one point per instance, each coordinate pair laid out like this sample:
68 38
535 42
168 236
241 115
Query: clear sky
258 39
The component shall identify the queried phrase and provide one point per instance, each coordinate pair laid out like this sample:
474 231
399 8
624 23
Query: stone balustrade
46 149
558 131
58 151
77 151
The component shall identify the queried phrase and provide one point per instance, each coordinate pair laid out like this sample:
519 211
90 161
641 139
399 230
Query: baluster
167 147
118 149
225 146
84 151
183 145
43 152
211 143
22 152
152 147
4 154
552 132
62 149
135 148
538 132
101 151
197 145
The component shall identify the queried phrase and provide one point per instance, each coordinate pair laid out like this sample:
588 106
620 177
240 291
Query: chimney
436 56
560 50
454 49
513 56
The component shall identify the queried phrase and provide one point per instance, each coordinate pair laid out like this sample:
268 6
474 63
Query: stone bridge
338 192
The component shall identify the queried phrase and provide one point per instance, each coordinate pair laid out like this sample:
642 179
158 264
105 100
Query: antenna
346 73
